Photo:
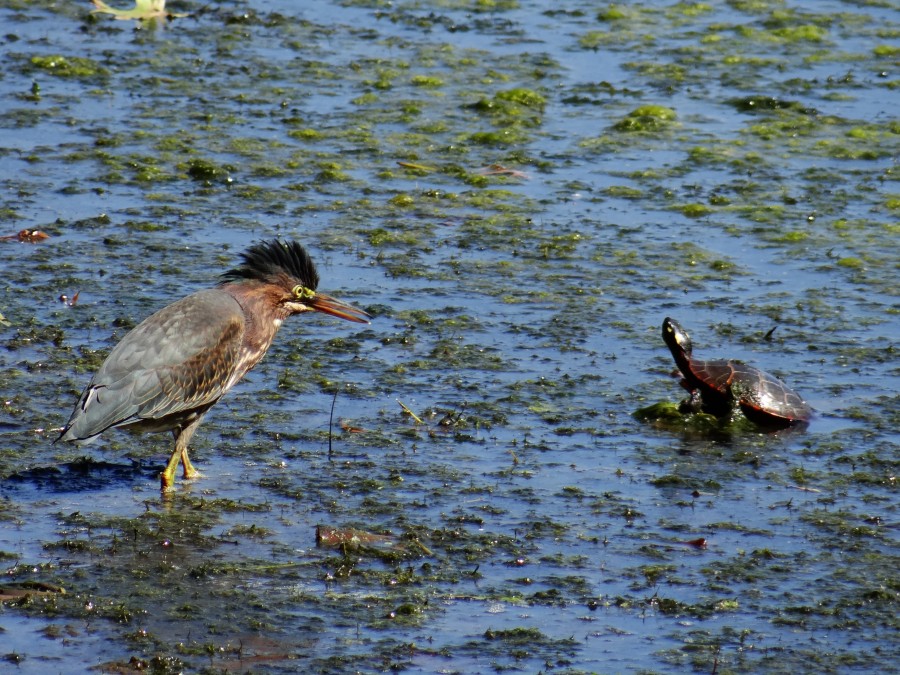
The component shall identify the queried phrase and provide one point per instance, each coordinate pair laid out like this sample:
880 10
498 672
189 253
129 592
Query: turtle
716 387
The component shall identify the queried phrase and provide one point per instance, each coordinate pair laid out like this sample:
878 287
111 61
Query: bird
168 371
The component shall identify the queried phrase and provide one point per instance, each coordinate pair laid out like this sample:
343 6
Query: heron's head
286 273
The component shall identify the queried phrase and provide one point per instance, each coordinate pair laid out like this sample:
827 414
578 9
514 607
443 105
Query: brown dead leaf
27 236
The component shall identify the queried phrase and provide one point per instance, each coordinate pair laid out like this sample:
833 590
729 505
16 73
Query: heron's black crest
270 259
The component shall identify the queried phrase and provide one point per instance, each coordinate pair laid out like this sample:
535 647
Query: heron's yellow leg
167 477
180 453
189 470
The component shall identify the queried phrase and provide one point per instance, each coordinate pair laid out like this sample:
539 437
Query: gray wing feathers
176 360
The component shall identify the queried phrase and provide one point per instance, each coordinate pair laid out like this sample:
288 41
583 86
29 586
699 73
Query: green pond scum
518 193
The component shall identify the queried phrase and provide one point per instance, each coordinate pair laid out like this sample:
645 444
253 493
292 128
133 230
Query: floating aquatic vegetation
647 118
75 67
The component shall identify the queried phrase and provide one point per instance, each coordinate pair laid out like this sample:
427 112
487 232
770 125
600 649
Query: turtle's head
676 338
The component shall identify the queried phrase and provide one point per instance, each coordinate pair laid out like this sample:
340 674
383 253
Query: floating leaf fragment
28 236
803 489
417 167
22 590
143 9
353 539
500 170
349 428
335 536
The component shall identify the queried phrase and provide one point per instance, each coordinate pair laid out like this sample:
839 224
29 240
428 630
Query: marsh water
519 192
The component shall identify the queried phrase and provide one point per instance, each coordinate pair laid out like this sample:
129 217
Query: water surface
732 165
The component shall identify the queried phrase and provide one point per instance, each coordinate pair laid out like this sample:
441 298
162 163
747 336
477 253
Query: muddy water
519 193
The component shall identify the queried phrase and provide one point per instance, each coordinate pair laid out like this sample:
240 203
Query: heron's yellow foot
167 476
189 470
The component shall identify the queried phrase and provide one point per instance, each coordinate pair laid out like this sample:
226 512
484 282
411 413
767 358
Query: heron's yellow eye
303 293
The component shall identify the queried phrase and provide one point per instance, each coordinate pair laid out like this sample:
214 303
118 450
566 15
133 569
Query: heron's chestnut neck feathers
284 264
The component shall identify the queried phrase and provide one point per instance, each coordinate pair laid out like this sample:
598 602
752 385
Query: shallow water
533 523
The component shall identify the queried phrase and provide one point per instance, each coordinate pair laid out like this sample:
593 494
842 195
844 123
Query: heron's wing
176 360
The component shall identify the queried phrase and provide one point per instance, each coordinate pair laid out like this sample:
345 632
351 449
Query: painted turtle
717 386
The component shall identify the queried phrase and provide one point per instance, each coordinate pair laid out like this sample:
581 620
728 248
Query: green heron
173 367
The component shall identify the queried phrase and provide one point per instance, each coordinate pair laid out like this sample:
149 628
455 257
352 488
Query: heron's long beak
328 305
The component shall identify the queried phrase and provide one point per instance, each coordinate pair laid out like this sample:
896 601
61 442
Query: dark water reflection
522 312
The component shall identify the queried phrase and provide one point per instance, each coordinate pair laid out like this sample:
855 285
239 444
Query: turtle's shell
763 398
722 384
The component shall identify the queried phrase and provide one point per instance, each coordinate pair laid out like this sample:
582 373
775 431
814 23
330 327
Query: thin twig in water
331 424
410 412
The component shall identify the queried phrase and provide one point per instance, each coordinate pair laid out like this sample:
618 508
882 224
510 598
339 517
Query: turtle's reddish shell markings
722 384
